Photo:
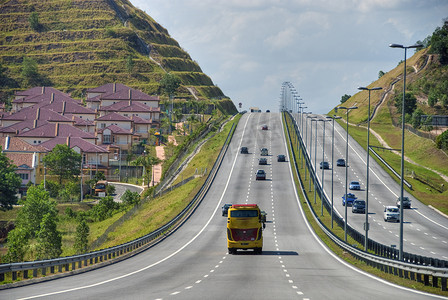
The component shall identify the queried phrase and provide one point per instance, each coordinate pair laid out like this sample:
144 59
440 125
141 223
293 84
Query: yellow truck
244 228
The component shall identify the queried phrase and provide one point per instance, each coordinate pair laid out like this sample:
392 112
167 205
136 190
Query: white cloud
326 48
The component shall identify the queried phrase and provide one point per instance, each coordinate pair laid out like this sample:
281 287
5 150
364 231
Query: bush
130 198
104 209
442 141
110 189
53 188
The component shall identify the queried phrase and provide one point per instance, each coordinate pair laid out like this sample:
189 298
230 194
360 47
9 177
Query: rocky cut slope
79 44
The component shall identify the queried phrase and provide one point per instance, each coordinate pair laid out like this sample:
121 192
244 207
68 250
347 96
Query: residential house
27 158
49 131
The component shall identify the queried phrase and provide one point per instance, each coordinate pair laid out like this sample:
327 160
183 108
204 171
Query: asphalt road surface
193 262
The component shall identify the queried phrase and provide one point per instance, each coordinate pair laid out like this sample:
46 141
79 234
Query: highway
193 262
425 230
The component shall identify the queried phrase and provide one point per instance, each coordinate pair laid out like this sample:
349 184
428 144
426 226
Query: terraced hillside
80 44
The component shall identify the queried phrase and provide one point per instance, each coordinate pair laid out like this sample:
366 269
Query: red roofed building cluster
114 118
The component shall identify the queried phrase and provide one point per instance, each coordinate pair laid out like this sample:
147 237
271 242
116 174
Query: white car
391 214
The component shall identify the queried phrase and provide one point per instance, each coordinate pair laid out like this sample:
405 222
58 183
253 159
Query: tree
170 83
49 239
30 73
17 244
36 206
416 118
81 237
147 161
9 183
432 97
34 21
130 63
345 98
442 140
63 162
410 102
439 42
380 74
130 198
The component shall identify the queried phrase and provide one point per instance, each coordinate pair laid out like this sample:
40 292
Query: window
106 139
23 176
103 125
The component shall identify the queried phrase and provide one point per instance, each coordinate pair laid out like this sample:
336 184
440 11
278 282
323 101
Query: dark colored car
350 199
340 162
359 206
225 209
406 202
260 175
267 110
324 164
262 161
244 150
264 127
354 185
281 157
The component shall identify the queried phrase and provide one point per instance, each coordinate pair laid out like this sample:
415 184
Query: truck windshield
244 213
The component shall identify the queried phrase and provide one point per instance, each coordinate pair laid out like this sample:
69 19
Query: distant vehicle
264 127
391 213
101 186
354 185
281 157
359 206
260 175
244 228
406 202
262 161
244 150
264 152
340 162
350 198
267 110
324 164
225 209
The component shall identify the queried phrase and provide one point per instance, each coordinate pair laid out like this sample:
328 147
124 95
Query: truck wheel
232 251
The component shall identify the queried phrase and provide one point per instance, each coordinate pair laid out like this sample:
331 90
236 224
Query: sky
325 48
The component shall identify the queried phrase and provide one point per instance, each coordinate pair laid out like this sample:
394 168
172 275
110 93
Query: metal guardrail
413 267
88 261
390 168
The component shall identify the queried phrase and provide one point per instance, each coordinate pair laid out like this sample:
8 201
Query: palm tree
147 162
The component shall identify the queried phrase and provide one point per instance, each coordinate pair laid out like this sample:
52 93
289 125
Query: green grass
326 220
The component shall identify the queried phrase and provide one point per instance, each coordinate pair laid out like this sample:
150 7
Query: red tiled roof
84 145
138 120
116 130
79 121
47 97
108 88
53 130
69 108
22 126
36 113
39 90
125 106
126 94
113 117
17 144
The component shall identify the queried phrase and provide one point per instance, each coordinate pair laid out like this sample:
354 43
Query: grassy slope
418 149
84 44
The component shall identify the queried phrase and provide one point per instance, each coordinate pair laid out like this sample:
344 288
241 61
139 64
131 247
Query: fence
385 258
84 262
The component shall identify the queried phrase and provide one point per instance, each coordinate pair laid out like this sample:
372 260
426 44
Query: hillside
80 44
426 167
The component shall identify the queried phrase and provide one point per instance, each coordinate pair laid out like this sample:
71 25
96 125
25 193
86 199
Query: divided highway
425 230
193 262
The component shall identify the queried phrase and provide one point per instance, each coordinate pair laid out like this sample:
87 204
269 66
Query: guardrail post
80 264
44 271
67 267
2 276
443 283
60 268
426 279
14 275
25 275
73 265
86 262
435 281
34 273
52 269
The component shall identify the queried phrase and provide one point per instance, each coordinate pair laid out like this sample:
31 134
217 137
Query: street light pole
402 144
315 160
332 167
346 170
366 224
311 147
322 197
